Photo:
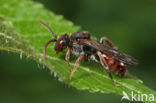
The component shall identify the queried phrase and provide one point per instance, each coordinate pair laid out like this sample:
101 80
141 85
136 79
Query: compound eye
61 42
59 46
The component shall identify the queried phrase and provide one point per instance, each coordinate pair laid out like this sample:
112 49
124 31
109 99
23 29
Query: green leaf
20 32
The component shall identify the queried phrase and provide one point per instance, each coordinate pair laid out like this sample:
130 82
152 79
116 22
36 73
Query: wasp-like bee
81 44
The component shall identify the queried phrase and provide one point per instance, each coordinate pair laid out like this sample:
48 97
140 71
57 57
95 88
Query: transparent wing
116 54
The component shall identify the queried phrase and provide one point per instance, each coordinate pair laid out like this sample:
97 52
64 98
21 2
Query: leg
85 58
108 42
104 64
76 65
67 57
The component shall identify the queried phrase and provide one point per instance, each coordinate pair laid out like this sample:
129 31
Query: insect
81 44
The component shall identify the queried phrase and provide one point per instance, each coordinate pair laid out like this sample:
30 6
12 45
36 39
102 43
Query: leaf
20 32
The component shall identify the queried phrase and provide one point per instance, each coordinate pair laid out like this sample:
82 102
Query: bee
82 45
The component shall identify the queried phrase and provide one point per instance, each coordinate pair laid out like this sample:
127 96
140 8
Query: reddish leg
76 65
85 58
104 64
108 42
67 57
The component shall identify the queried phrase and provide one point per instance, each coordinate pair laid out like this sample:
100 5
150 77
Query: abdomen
115 66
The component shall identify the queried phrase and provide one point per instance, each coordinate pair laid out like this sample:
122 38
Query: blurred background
130 24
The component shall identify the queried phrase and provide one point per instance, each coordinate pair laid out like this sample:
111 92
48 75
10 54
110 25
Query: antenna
45 48
47 27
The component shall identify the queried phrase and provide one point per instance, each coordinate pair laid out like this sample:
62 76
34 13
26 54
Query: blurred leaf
20 32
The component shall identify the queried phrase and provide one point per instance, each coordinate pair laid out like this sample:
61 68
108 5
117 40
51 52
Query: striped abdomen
116 66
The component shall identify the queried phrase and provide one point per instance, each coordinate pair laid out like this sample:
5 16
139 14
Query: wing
117 55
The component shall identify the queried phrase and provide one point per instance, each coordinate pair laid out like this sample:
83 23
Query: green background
130 24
